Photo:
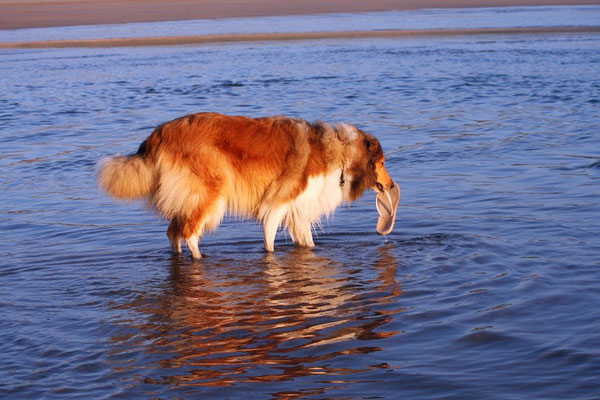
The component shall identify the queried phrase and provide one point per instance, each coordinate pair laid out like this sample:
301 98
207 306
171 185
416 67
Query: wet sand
18 14
259 37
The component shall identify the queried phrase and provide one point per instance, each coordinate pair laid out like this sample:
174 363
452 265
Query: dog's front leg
301 233
271 223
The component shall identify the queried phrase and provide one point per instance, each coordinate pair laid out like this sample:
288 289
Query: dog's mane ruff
290 181
332 150
346 132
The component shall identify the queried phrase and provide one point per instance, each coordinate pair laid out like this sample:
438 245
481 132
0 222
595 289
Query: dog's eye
368 144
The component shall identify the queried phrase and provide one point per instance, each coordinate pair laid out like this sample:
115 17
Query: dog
278 170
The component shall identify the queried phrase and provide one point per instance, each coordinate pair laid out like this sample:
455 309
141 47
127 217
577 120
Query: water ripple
484 290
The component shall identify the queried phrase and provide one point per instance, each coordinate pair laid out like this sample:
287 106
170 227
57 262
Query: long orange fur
197 168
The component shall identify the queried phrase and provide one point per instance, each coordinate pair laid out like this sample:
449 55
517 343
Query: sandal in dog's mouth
387 204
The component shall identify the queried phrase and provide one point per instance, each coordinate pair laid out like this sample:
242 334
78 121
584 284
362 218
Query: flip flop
387 204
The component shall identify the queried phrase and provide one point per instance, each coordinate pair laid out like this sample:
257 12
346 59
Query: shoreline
23 14
268 37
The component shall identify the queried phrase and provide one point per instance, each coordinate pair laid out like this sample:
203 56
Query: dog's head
368 166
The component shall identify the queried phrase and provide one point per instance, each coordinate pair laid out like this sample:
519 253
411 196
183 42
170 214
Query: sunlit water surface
487 288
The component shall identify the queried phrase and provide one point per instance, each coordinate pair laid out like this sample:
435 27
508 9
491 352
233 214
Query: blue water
487 288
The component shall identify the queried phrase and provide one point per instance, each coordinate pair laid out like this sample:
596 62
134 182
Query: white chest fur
322 196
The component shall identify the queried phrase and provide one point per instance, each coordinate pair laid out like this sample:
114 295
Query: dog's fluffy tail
126 177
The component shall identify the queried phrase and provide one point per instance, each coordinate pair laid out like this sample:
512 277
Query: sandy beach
19 14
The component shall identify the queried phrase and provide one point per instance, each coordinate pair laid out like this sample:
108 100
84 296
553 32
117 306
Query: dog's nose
392 185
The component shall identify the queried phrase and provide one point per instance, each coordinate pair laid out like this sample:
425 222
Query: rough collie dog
278 170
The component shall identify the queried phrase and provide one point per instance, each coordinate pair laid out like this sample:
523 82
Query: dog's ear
369 145
372 145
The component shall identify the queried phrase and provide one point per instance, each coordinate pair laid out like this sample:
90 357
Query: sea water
487 288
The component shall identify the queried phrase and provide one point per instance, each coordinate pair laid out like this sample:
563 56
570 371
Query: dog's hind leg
192 244
192 230
174 235
205 218
271 222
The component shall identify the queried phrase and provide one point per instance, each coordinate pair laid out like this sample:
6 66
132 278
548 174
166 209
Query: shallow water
487 288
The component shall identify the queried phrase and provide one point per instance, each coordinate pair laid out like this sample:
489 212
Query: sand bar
17 14
264 37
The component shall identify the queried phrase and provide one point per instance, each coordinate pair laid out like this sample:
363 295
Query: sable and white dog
278 170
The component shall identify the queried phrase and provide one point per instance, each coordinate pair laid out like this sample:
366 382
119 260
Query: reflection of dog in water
277 170
269 319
